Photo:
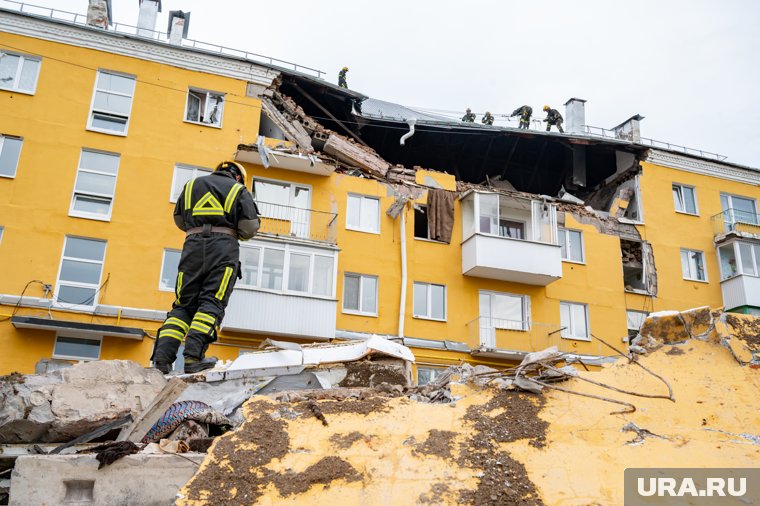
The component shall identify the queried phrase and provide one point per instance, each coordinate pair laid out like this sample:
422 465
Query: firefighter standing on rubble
525 113
487 119
553 117
342 77
214 211
469 116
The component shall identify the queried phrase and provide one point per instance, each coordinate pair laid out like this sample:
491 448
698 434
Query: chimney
99 13
629 130
179 23
575 115
146 21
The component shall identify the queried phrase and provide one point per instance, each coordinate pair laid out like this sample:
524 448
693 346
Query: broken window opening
269 128
204 107
421 229
634 321
634 268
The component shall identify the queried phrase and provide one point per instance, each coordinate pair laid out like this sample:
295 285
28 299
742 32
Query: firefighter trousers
207 272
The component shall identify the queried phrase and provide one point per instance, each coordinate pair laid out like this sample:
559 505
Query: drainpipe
411 122
402 303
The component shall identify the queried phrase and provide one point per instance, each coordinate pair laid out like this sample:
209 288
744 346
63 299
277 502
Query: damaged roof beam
330 115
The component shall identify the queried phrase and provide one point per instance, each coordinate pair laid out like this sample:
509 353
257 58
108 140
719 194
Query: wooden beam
145 420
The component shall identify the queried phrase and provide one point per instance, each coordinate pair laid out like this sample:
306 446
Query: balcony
510 239
289 222
496 334
735 222
310 164
740 273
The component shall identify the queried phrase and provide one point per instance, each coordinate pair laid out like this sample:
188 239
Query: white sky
691 67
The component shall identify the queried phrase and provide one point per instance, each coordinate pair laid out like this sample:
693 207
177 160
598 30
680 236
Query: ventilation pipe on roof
630 129
575 115
411 122
146 20
99 13
179 23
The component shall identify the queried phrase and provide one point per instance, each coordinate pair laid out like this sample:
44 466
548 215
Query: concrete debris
356 155
641 434
67 403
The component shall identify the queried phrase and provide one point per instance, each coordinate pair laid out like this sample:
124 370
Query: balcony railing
516 335
294 222
734 220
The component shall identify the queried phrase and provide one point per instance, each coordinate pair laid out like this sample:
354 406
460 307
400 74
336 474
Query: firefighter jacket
553 117
219 201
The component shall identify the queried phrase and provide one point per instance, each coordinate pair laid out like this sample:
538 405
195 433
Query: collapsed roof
532 161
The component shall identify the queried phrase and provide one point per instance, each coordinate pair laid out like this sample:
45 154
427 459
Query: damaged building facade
465 242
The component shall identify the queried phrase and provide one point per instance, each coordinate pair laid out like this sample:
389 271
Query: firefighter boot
193 365
164 367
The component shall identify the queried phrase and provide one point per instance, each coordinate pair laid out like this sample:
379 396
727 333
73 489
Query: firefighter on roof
487 119
553 117
469 116
525 113
342 77
213 211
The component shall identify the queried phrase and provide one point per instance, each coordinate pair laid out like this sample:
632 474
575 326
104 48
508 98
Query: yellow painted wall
669 231
35 208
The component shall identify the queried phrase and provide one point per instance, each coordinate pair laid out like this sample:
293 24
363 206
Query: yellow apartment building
465 242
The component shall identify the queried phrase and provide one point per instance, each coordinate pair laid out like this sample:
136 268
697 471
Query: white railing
156 36
611 134
289 221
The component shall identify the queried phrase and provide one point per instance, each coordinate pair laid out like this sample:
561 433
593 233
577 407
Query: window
693 265
738 210
363 214
635 266
360 294
2 229
504 311
80 271
10 149
684 199
574 320
429 301
94 186
183 174
19 72
76 348
427 374
502 216
634 321
204 107
169 268
421 230
748 256
286 205
571 245
111 103
288 268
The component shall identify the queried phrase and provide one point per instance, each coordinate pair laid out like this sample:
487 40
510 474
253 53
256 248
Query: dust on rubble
439 443
345 441
324 472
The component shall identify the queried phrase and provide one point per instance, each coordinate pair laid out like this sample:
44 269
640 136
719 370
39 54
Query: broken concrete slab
67 403
75 479
356 155
665 327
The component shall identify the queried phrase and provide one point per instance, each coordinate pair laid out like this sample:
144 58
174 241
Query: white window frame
2 231
2 145
77 284
197 172
361 227
735 246
496 323
642 314
361 293
101 196
94 111
289 250
22 59
429 308
161 286
682 199
731 219
566 329
435 372
704 264
565 232
75 335
208 94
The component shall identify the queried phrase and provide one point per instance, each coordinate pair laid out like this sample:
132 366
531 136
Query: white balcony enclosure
510 238
740 273
286 290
